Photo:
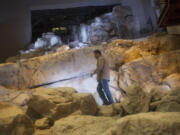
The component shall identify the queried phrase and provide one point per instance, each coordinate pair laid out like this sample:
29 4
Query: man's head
97 54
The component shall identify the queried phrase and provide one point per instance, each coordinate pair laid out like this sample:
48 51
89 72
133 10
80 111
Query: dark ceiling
45 20
170 14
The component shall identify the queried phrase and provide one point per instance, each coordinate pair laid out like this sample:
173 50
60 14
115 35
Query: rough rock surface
43 123
82 125
136 100
172 80
153 45
16 97
150 72
169 103
147 124
106 111
157 94
13 121
111 110
37 52
49 68
56 66
59 102
86 103
42 132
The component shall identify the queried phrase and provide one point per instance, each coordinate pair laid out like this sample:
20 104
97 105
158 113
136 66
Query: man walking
103 77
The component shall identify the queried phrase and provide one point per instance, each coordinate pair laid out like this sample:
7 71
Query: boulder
172 80
13 121
136 100
86 103
169 103
106 111
154 45
82 125
111 110
158 94
59 102
43 123
147 123
149 72
44 101
48 68
16 97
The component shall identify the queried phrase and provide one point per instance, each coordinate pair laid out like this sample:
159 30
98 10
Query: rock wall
152 63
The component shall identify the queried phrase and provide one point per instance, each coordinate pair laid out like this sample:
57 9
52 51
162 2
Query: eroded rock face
43 123
111 110
172 80
153 45
82 125
19 98
13 121
65 65
150 72
169 103
147 123
60 102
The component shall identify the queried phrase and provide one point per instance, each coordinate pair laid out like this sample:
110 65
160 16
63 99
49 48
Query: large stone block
60 102
13 121
136 100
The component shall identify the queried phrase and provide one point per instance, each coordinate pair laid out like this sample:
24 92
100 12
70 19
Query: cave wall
15 19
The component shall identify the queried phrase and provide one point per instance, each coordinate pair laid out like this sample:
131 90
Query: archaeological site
90 67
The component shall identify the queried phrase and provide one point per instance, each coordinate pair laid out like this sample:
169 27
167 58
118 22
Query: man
103 77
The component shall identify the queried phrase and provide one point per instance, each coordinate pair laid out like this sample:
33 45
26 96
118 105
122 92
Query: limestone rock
53 67
111 110
157 94
170 103
149 72
147 123
106 111
22 98
172 80
19 98
136 100
82 125
153 45
60 102
86 103
13 121
44 101
42 132
43 123
115 109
